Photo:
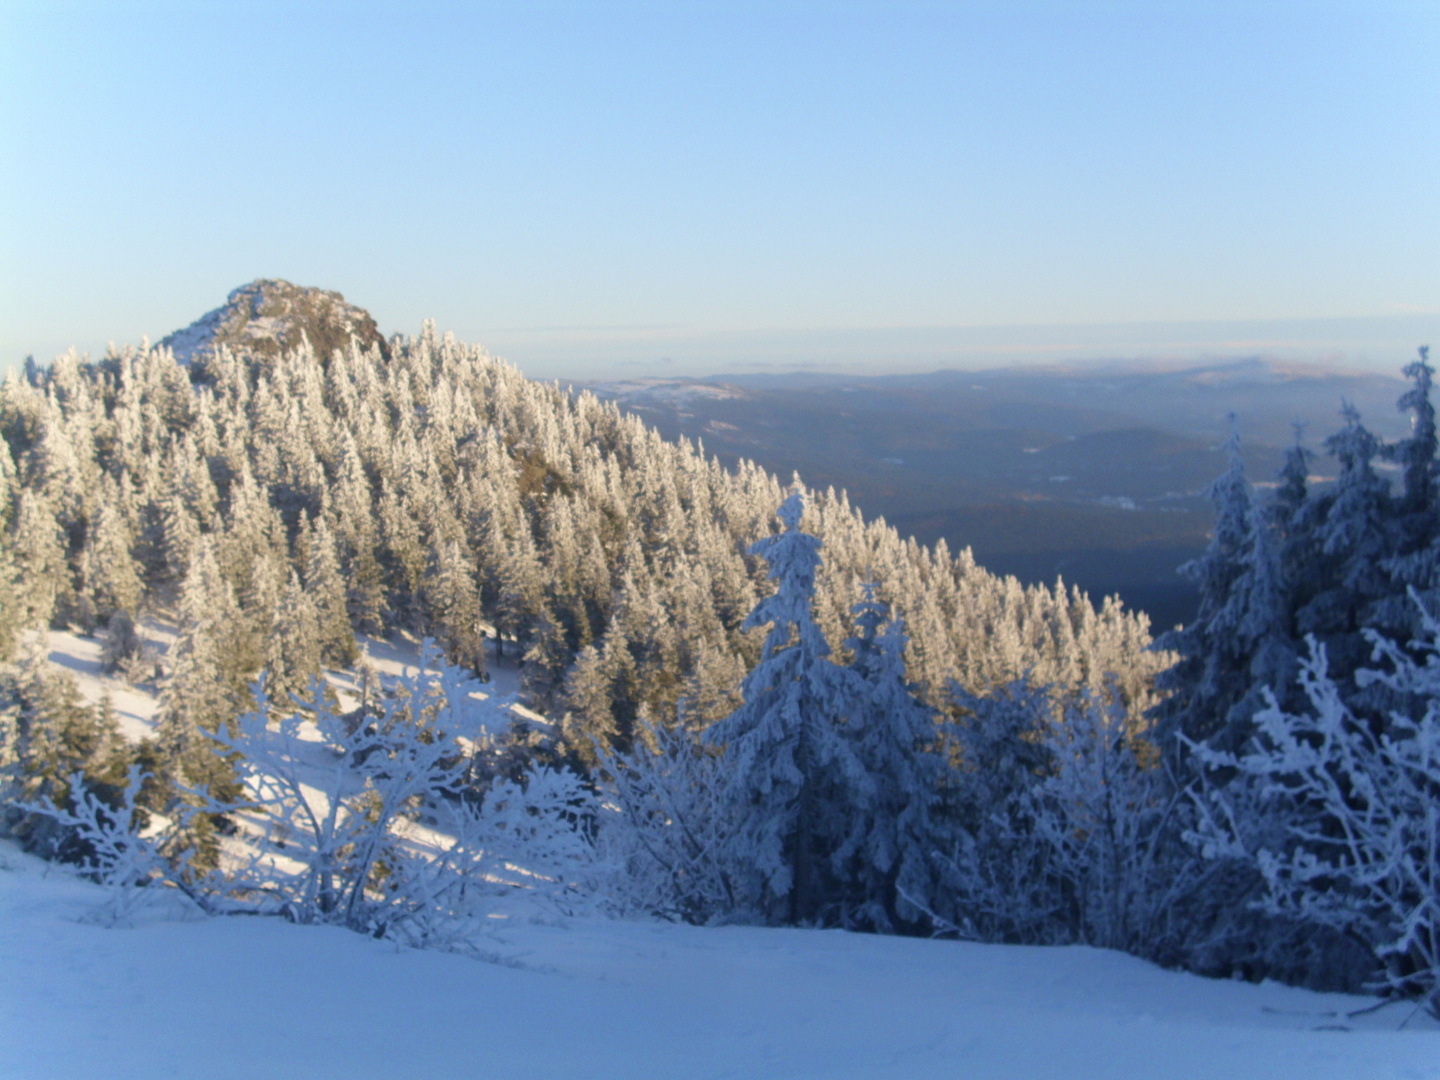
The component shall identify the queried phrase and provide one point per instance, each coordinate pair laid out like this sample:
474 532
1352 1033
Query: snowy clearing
183 995
392 658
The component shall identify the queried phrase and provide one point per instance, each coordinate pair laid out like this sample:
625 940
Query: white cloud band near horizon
1379 344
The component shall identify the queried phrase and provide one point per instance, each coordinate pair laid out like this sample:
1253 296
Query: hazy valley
1095 473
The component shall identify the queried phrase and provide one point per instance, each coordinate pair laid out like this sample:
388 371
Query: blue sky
600 189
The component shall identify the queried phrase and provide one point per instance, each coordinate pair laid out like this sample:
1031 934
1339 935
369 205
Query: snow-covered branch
1360 805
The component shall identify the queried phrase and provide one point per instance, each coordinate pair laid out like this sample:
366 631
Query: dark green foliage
47 734
122 648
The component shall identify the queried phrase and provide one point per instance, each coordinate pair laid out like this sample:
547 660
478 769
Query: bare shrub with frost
117 854
668 831
1342 815
364 820
1062 826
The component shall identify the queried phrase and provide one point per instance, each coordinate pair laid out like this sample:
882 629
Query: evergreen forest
759 706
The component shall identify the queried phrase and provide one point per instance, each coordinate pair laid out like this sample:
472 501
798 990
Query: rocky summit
270 316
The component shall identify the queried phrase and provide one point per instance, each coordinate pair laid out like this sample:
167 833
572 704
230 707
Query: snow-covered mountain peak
269 316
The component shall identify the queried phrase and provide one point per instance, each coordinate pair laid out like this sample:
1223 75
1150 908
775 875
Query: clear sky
597 189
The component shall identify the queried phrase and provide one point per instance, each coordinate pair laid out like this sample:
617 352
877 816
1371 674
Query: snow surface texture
178 994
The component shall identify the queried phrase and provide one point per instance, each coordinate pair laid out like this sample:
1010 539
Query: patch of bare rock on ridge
270 316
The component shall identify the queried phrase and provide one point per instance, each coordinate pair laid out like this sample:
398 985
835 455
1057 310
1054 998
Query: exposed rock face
268 317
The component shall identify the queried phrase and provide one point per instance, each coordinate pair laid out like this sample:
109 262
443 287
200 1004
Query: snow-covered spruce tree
453 606
110 576
1416 455
37 547
1285 557
1416 560
998 885
199 697
883 864
123 650
589 721
792 771
1355 535
1211 677
1273 565
11 608
1344 823
292 647
48 734
326 590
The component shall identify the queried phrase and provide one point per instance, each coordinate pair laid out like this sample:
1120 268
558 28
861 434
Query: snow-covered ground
135 705
177 994
182 995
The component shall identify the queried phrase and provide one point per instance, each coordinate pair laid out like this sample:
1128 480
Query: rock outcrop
269 316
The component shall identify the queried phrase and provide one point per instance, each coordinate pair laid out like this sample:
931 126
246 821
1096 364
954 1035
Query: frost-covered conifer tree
365 596
1355 534
1416 456
326 589
791 765
1211 676
998 885
884 861
1415 562
454 606
39 552
589 721
11 610
1293 485
180 533
197 698
110 574
404 551
292 648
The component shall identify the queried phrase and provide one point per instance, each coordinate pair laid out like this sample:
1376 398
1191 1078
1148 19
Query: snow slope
181 995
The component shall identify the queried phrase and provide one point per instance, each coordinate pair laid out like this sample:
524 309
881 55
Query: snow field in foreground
181 995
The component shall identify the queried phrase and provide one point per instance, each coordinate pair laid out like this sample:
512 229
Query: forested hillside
279 498
763 707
